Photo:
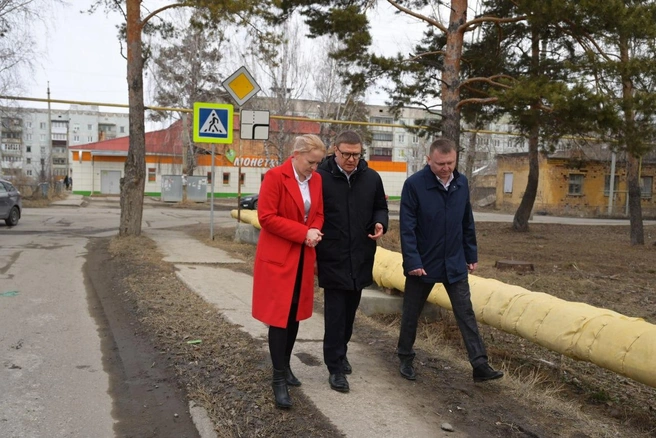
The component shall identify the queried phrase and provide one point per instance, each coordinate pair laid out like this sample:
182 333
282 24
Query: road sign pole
213 123
239 173
212 197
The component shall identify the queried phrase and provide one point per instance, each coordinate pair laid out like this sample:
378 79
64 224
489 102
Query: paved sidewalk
381 404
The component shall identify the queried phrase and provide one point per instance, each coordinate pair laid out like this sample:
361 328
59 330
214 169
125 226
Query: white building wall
392 182
82 129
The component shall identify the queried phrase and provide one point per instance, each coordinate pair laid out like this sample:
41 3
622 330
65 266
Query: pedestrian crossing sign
213 122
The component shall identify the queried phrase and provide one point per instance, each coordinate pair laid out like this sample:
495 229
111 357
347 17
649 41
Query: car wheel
255 205
14 215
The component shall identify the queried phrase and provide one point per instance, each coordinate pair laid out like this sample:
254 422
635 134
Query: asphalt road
60 363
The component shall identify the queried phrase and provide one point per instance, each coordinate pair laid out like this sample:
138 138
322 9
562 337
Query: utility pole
49 150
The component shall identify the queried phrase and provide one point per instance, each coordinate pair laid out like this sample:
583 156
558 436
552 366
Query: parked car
10 203
249 202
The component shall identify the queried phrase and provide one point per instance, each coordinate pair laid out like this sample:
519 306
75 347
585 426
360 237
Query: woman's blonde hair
308 143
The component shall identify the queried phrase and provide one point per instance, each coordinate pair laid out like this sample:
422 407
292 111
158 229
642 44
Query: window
616 183
401 138
152 174
226 178
59 161
28 124
209 177
42 125
575 184
262 177
76 139
646 184
122 129
28 161
386 152
383 136
43 150
385 120
28 136
28 172
42 137
90 127
59 124
415 139
28 149
90 138
59 136
507 182
242 179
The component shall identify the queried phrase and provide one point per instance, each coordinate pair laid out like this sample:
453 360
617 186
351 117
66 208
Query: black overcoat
345 255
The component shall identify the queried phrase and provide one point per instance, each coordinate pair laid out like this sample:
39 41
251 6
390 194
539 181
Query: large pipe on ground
619 343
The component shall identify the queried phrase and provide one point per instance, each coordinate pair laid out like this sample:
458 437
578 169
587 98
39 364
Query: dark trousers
339 315
414 297
282 339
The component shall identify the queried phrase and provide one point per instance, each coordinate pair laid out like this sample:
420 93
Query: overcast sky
82 56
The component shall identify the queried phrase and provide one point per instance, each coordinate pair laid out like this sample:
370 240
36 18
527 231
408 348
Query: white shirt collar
448 182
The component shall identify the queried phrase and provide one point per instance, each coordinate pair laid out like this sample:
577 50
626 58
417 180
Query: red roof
169 141
163 142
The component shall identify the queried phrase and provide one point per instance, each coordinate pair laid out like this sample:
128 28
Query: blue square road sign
213 122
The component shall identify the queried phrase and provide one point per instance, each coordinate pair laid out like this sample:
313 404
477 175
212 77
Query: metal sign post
241 86
212 196
212 124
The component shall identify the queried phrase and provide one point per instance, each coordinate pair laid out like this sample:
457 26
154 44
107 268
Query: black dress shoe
485 372
338 382
280 391
346 366
291 378
406 368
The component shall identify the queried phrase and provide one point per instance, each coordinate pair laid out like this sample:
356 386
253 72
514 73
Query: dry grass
227 373
564 391
574 264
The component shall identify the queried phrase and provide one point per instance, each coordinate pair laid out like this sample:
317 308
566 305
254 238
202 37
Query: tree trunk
451 72
133 181
523 213
635 208
632 164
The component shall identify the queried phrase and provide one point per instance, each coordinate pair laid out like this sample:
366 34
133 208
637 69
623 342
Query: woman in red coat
290 211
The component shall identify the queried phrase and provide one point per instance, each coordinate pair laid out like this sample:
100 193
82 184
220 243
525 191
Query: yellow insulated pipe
624 345
609 339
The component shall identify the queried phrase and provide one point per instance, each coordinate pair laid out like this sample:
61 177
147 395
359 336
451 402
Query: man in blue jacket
438 242
355 216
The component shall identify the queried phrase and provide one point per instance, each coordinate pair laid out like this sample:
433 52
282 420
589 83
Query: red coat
281 213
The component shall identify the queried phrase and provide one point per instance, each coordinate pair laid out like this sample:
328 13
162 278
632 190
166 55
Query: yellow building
574 182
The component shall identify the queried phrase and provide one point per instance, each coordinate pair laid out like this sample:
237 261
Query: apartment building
35 142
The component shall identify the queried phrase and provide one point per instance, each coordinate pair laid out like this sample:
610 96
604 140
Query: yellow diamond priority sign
241 86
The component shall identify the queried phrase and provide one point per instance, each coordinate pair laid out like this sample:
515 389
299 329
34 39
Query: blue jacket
437 227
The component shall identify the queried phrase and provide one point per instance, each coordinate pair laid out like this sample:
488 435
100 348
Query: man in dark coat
438 244
355 216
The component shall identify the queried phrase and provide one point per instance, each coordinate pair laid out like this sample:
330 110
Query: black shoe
346 366
338 382
280 392
289 376
485 372
406 369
